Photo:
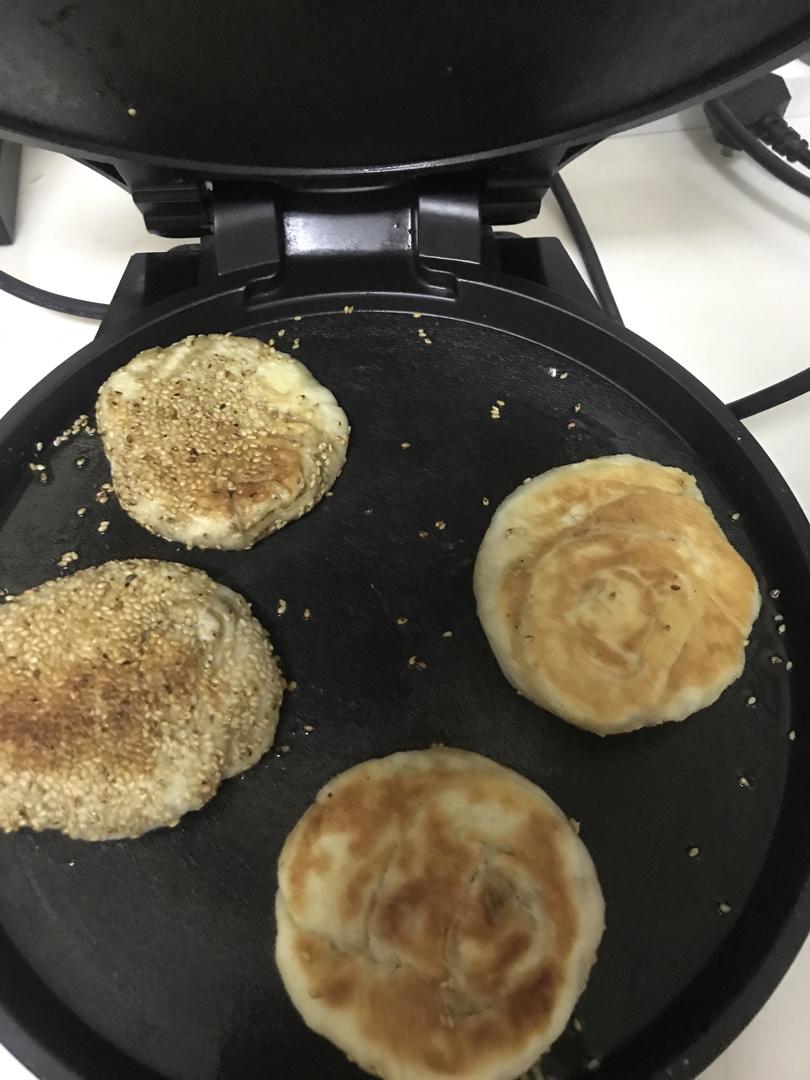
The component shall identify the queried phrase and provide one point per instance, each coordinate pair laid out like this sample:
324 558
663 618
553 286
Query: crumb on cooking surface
282 607
68 558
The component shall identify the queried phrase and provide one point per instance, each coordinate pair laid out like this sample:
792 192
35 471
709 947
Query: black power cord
582 239
67 305
770 396
752 119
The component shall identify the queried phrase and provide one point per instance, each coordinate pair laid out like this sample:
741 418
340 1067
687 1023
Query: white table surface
709 259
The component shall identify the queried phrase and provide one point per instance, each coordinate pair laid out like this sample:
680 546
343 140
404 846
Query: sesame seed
82 511
296 343
447 633
485 501
578 407
38 447
789 665
401 620
499 402
751 700
307 613
440 525
308 728
427 341
421 332
68 558
282 607
778 618
744 782
80 462
284 749
572 424
405 445
103 526
781 628
298 318
292 685
34 467
43 478
417 314
791 733
693 851
576 1023
422 534
723 908
495 412
411 661
735 516
132 111
775 593
348 309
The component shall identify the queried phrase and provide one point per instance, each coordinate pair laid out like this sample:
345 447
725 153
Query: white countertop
709 259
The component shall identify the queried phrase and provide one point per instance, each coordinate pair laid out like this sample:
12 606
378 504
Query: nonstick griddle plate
154 958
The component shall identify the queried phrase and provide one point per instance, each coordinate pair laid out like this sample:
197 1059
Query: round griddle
303 87
153 959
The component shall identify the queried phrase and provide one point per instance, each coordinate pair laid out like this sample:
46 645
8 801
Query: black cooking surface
164 946
265 86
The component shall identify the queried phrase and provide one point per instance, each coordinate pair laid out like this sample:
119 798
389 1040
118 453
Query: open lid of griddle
278 87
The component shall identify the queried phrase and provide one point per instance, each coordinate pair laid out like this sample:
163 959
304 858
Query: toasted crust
437 917
611 596
217 441
129 691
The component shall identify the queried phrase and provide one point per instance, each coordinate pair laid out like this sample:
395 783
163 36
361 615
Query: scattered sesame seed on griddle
282 607
427 340
284 749
447 633
34 467
751 700
297 318
8 597
66 559
132 111
578 406
778 618
576 1023
485 501
789 665
411 661
495 412
281 332
292 685
296 343
81 511
563 374
422 534
103 493
744 782
307 613
440 525
103 526
723 908
421 332
38 447
593 1064
308 728
401 620
775 593
777 660
781 628
735 516
572 424
43 477
500 403
417 314
693 851
78 424
405 445
791 733
552 372
348 309
80 462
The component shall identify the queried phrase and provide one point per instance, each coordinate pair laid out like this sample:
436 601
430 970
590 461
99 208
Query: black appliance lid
274 87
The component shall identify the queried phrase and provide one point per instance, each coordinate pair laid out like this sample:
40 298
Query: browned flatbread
437 917
129 691
218 441
611 596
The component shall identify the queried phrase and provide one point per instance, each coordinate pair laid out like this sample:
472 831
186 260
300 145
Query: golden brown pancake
437 917
129 691
218 441
611 597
